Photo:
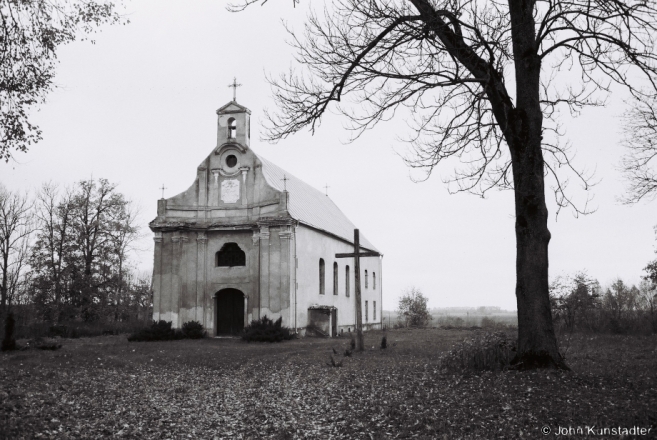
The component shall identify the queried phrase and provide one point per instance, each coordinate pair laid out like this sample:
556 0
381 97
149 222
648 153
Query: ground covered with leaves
227 388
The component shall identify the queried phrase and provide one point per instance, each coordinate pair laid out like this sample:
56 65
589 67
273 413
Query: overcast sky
138 108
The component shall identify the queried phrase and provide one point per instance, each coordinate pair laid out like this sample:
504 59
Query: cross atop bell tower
234 85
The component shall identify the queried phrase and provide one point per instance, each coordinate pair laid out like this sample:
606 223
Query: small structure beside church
248 239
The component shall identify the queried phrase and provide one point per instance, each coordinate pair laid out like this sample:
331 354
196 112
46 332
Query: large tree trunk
537 344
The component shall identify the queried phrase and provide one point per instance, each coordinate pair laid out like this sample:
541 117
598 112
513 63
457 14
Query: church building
248 239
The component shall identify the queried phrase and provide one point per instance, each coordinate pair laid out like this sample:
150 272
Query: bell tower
234 122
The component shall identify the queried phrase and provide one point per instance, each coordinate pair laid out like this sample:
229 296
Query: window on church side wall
366 314
232 128
335 278
373 280
373 310
322 277
230 255
346 281
366 279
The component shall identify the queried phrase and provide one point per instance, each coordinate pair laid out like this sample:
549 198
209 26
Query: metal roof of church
310 206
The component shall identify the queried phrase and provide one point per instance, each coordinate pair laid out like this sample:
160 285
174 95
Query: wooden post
356 255
360 346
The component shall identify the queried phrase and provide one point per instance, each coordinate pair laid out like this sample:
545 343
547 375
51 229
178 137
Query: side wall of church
313 245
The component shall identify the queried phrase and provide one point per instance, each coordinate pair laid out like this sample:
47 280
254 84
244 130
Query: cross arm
360 254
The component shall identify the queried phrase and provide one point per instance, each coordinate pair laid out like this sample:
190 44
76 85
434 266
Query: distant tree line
580 303
65 256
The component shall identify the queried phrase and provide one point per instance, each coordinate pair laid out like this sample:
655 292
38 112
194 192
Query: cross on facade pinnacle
285 179
163 188
234 85
326 187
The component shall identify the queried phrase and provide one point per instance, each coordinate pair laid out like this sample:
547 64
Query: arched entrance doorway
229 306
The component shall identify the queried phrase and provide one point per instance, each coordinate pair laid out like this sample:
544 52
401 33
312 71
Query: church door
230 312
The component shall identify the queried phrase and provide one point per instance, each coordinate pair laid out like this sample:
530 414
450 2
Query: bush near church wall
266 330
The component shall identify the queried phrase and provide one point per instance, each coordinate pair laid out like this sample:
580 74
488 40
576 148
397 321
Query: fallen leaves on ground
232 390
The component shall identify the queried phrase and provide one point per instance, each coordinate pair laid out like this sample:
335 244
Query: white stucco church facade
248 239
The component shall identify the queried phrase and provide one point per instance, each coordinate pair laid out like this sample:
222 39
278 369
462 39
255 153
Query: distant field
224 388
390 319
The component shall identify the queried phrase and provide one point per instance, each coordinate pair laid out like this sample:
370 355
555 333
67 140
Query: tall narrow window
366 279
322 277
230 255
373 308
366 314
373 280
232 128
346 280
335 278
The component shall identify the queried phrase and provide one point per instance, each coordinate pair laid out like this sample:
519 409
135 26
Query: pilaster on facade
201 278
264 266
244 171
157 276
285 232
264 233
176 278
215 174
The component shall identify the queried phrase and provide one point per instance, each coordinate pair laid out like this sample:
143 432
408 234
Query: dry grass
107 387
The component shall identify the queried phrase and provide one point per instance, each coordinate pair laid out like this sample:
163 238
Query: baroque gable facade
248 239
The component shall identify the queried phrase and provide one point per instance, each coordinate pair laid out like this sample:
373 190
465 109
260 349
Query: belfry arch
230 311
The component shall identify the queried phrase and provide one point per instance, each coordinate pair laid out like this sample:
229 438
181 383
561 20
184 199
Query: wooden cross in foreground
357 255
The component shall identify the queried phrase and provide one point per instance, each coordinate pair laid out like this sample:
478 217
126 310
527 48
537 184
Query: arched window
322 277
346 280
232 128
335 278
230 255
373 280
366 279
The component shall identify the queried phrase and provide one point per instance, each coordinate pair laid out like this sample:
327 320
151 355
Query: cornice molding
227 145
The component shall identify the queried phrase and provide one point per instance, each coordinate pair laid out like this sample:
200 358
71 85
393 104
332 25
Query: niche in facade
230 255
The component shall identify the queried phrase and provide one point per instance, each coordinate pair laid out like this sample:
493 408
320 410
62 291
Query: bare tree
648 301
53 243
449 64
97 208
640 162
16 226
124 231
